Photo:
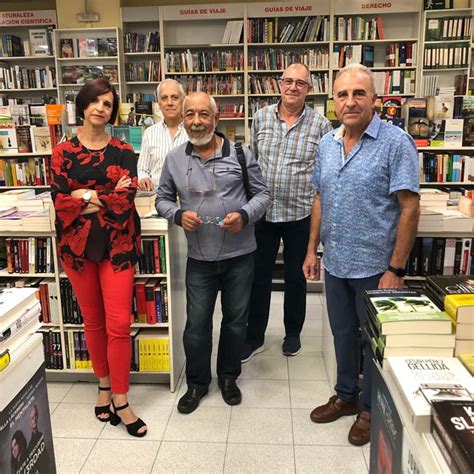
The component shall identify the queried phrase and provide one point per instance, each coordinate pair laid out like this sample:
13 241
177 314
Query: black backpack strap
243 165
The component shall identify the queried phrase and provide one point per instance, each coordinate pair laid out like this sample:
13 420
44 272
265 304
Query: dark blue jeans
347 313
203 280
295 236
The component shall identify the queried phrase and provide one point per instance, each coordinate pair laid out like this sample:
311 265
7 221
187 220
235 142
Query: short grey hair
214 107
182 94
356 67
308 73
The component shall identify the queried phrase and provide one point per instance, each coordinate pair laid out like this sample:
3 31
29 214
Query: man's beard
200 141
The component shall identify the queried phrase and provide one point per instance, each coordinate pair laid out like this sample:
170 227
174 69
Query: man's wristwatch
86 197
400 272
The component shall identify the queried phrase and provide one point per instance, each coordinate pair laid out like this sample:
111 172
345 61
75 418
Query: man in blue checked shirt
365 213
284 138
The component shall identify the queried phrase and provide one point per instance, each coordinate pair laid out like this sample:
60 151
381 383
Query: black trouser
203 280
295 235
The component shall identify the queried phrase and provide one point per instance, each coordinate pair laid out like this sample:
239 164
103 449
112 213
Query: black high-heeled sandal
104 409
132 428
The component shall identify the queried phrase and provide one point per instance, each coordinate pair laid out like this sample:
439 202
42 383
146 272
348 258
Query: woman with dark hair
18 448
98 229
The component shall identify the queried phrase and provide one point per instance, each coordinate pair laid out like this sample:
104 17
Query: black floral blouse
74 167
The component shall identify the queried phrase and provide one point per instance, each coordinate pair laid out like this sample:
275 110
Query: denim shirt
359 208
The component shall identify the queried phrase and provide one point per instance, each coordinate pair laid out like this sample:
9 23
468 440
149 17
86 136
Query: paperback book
453 421
410 373
406 311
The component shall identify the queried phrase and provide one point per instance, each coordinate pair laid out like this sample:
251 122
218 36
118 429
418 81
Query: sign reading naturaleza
28 18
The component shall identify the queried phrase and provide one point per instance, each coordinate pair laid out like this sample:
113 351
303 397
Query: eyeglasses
289 82
212 220
200 180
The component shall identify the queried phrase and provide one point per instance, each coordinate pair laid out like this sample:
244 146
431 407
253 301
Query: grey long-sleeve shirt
212 188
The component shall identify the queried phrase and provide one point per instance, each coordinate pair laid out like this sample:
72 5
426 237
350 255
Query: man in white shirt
160 138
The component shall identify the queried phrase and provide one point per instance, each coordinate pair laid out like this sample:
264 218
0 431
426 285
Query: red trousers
105 299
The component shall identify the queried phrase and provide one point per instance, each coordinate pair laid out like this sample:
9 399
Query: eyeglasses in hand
212 220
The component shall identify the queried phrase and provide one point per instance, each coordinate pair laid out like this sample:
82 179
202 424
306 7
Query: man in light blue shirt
365 213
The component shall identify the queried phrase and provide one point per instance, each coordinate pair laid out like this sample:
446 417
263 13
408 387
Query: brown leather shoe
359 434
332 410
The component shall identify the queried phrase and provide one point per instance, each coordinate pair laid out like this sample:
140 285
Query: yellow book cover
166 354
468 362
143 362
460 307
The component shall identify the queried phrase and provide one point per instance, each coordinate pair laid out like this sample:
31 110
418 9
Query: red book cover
150 302
381 34
156 256
141 302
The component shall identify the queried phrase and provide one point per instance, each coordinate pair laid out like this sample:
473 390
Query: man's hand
123 182
390 280
90 209
233 222
145 184
309 266
190 221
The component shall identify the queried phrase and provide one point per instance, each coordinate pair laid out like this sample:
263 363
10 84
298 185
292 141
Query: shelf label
270 9
360 7
203 12
28 18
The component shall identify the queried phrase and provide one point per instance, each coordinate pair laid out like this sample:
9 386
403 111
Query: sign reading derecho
360 7
28 18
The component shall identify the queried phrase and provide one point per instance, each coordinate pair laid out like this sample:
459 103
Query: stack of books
456 295
452 430
406 323
19 316
145 203
423 380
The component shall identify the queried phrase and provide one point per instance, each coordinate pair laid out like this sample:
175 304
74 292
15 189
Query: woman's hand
124 182
77 193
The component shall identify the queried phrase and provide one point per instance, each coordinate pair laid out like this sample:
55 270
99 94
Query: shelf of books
87 53
446 51
142 43
215 63
27 68
384 37
29 259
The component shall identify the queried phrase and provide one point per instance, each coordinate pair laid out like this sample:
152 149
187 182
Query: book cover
391 107
38 115
42 139
144 114
386 428
405 311
410 372
8 138
20 114
6 115
454 422
39 42
451 284
25 429
439 391
67 47
453 133
23 137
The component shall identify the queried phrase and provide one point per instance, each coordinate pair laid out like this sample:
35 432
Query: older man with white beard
218 221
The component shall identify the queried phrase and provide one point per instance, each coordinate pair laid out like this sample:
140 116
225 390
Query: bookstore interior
422 55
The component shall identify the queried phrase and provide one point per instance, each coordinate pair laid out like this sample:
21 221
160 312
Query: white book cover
14 301
410 373
39 42
453 133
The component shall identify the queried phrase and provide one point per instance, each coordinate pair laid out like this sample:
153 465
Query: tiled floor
269 432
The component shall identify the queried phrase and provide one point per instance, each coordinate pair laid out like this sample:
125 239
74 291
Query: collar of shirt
279 119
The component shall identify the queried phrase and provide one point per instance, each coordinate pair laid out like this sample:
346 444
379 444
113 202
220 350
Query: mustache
197 128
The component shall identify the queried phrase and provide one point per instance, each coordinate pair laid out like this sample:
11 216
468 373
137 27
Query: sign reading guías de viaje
203 12
360 7
28 18
279 9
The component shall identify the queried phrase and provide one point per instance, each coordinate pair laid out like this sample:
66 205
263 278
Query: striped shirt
156 143
286 156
